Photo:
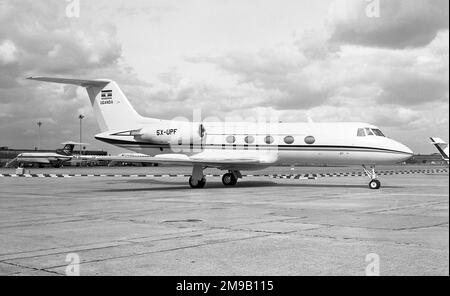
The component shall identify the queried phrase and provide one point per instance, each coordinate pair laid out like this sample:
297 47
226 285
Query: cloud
395 89
8 52
44 39
401 23
36 38
291 80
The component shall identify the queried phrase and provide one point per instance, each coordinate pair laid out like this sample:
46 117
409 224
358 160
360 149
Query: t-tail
67 150
69 147
112 109
442 147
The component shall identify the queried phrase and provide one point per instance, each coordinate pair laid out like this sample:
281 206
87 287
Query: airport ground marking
310 176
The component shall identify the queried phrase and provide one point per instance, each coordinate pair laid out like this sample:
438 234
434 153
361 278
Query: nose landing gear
374 184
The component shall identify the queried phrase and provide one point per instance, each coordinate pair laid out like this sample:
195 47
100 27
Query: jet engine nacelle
173 133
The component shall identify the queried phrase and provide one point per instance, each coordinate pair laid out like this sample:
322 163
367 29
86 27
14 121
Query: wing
213 158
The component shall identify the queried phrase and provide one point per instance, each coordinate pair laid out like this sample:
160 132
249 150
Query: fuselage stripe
251 148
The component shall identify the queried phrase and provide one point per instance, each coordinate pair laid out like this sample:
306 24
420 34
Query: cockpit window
369 132
362 132
378 132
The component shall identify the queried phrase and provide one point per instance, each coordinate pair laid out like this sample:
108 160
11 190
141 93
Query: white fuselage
284 143
43 158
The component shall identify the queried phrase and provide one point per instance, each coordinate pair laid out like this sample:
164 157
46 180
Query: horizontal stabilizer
74 143
79 82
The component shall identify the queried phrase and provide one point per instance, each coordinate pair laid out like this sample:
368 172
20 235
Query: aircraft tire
375 184
229 179
198 185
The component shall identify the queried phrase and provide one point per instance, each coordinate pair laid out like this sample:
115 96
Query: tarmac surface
263 226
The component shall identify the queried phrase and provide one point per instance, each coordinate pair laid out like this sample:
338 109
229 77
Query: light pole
39 124
80 117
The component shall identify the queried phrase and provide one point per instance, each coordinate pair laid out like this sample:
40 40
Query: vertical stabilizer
112 109
441 146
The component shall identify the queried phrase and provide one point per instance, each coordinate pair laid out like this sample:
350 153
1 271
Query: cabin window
361 132
378 132
310 140
249 139
231 139
269 140
369 132
289 140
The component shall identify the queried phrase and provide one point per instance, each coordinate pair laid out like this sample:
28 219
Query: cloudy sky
326 60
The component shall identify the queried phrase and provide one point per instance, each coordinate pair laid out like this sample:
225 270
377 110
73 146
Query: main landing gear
231 178
197 184
198 180
374 183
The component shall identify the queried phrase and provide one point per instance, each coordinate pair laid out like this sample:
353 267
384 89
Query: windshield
378 132
363 132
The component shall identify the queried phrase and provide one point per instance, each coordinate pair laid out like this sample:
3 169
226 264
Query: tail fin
441 146
112 109
67 150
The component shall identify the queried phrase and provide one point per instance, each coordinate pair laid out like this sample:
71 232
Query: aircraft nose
405 149
408 153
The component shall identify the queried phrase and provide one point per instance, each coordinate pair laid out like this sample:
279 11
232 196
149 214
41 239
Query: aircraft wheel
197 184
374 184
229 179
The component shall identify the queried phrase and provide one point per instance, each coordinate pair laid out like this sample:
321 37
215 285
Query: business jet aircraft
56 159
441 146
234 147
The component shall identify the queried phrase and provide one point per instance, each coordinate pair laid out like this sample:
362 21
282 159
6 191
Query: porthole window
231 139
249 139
269 140
289 140
310 140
